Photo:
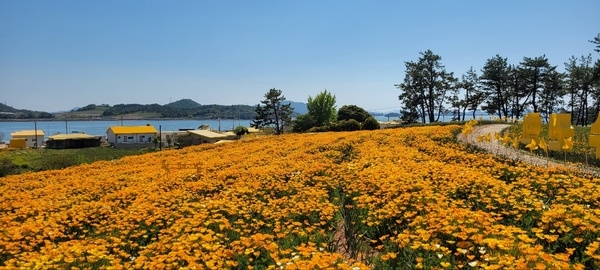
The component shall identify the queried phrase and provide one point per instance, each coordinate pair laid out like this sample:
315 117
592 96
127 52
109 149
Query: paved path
509 152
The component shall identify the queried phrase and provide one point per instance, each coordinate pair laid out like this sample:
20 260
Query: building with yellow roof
131 136
33 138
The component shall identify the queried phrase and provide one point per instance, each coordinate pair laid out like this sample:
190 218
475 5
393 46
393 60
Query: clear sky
56 55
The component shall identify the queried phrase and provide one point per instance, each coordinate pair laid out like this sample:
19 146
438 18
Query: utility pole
160 137
66 128
36 138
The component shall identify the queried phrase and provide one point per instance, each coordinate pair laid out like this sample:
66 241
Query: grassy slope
28 160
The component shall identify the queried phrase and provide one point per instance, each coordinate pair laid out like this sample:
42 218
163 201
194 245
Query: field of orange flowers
390 199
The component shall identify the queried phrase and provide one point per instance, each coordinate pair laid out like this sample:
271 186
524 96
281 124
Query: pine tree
273 113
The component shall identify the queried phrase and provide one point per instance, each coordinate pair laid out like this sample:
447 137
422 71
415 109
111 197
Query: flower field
391 199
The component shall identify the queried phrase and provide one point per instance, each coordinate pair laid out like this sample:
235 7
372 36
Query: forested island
184 108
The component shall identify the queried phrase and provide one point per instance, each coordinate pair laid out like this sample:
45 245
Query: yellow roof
72 136
27 133
132 129
208 134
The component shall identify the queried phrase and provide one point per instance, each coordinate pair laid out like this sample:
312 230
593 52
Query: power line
388 108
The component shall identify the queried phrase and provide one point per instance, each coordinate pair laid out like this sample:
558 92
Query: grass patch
33 160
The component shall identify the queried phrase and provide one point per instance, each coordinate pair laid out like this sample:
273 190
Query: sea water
98 128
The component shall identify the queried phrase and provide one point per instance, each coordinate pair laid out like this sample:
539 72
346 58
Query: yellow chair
559 130
532 125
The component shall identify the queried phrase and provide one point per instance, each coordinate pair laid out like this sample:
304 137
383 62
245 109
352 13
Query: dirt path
496 148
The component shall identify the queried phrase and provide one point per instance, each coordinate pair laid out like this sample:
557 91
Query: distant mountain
8 112
5 108
184 108
299 107
185 103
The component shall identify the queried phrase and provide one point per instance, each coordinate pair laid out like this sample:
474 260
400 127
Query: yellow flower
532 145
543 145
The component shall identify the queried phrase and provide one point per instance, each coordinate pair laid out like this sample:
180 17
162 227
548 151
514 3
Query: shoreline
112 119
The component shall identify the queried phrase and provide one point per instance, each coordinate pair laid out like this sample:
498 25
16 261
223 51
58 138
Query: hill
299 107
184 108
185 103
8 112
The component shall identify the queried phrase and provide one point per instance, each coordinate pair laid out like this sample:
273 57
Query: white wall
129 138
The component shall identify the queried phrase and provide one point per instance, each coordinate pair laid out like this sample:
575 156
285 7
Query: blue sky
56 55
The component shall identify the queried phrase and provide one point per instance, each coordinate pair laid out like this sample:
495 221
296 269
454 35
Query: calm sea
100 127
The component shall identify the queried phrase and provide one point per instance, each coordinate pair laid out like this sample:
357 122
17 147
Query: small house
131 136
33 138
74 140
206 136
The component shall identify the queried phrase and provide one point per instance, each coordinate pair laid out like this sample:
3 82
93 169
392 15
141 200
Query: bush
318 129
348 125
240 130
348 112
303 123
60 162
370 124
7 167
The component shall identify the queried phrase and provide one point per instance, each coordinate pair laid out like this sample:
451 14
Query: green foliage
322 108
240 130
12 113
495 83
424 88
346 125
319 129
596 41
348 112
303 123
370 124
273 112
88 107
473 94
185 103
33 160
184 109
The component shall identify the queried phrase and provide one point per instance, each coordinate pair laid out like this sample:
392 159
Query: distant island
181 109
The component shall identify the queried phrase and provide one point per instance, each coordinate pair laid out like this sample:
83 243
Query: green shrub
240 130
318 129
348 125
370 124
60 162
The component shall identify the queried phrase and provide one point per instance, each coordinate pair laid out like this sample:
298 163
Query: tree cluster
507 90
321 116
326 118
201 111
8 112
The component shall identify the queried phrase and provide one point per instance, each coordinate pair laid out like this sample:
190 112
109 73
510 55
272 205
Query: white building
33 138
131 136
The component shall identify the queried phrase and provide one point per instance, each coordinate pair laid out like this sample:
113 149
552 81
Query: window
130 138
